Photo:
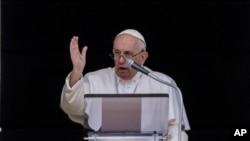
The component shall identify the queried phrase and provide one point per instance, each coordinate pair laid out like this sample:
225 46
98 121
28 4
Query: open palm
78 58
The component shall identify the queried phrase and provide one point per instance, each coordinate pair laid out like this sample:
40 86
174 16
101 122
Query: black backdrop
203 45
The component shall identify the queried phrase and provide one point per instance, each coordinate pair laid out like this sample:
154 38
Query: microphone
137 67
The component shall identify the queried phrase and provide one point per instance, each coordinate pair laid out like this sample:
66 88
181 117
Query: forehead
126 42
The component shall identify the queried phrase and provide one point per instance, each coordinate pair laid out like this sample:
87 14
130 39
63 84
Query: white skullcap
132 32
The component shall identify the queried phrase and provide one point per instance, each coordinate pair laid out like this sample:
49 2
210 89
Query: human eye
116 53
128 54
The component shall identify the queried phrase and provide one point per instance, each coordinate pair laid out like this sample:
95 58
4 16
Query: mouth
123 68
123 72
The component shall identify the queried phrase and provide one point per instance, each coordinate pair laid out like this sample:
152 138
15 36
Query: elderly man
128 44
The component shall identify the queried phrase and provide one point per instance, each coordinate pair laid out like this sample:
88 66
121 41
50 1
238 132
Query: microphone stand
145 71
180 97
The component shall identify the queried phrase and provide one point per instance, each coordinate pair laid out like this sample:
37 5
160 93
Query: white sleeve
72 100
173 134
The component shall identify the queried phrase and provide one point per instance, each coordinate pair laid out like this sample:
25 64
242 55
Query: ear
143 57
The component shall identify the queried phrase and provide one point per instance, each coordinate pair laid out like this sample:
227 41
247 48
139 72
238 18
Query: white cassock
107 82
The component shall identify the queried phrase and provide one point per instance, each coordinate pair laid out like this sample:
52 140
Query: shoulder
101 72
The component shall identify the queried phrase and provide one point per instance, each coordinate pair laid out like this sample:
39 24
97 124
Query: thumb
84 50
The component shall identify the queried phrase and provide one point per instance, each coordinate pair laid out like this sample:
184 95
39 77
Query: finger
74 43
84 51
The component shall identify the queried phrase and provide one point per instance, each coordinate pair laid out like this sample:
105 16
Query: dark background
203 45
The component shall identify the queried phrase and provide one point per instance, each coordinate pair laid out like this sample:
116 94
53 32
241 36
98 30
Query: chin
124 76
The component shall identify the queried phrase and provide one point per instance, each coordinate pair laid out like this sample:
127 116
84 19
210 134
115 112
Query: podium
99 136
132 117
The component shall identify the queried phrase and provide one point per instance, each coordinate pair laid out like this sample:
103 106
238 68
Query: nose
122 59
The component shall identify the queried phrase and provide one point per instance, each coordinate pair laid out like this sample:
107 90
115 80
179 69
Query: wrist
77 71
74 77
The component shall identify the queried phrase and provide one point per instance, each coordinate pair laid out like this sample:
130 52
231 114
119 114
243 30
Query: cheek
115 62
139 60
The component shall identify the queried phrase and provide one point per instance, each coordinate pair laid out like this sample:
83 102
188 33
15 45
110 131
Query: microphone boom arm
180 102
137 67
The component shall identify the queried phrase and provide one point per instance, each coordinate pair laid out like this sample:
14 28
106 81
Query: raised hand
78 60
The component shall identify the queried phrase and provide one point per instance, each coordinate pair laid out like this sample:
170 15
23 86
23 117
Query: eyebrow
122 51
116 50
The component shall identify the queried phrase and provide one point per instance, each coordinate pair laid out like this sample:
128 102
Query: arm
72 96
173 133
78 60
72 100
